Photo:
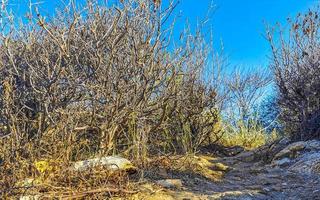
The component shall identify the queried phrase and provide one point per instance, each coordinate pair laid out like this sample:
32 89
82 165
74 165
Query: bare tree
246 87
295 62
104 77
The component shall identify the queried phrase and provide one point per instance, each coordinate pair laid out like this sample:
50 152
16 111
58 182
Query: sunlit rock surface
302 157
111 162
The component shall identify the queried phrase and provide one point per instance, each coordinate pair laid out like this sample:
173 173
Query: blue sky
240 24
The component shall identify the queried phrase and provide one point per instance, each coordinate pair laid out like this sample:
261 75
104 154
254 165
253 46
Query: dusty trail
259 181
247 178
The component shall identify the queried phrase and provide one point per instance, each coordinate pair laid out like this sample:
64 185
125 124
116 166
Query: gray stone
307 163
285 153
290 151
282 162
313 145
297 146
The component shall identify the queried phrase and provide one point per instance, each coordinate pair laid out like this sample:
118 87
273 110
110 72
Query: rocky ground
281 170
277 171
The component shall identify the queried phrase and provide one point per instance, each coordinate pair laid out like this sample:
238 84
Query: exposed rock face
307 163
290 151
302 157
264 153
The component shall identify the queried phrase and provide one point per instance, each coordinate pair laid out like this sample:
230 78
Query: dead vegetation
97 80
295 62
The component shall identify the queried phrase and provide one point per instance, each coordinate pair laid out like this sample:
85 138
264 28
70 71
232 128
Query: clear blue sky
238 23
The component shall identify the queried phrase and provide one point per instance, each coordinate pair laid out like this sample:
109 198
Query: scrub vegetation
97 79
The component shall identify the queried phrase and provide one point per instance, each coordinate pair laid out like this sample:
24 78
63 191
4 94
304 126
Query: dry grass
247 137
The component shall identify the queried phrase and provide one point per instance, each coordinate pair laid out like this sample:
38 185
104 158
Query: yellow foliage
43 166
249 140
129 167
247 137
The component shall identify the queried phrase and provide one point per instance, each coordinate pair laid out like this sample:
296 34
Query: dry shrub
295 62
99 80
249 136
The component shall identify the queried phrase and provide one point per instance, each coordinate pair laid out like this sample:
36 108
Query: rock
307 163
297 146
290 151
220 167
312 145
277 146
265 153
285 153
281 163
30 197
28 182
301 157
113 163
170 183
246 156
232 151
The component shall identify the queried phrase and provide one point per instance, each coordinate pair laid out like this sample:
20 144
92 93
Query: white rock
111 162
30 197
28 182
170 183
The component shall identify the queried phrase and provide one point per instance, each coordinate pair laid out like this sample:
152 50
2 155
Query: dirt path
245 181
260 181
